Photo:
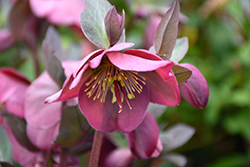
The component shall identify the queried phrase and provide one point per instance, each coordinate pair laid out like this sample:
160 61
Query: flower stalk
96 149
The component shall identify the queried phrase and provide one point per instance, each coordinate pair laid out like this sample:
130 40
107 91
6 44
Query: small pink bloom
195 89
43 121
114 88
59 12
144 141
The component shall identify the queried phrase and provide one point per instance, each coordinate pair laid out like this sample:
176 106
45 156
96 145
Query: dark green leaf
72 128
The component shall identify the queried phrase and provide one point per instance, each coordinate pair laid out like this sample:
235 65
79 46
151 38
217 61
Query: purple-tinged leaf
166 34
180 49
51 51
71 127
18 128
18 16
176 136
114 25
92 22
181 73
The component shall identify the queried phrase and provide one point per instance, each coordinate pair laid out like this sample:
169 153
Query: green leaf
5 146
72 128
181 73
180 49
166 34
18 128
51 51
92 22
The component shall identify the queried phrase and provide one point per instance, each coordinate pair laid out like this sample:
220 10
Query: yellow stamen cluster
104 79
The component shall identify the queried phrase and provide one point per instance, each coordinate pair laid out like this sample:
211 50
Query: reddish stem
96 149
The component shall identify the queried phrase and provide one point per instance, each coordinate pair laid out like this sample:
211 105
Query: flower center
122 84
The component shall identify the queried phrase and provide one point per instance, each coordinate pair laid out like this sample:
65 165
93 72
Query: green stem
96 149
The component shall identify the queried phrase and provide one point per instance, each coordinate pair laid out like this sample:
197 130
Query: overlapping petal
130 62
166 93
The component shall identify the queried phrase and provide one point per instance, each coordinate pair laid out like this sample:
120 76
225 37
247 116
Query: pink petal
120 157
120 47
95 62
87 59
105 116
143 54
134 63
144 140
70 67
38 114
195 89
69 91
6 39
166 93
43 138
12 87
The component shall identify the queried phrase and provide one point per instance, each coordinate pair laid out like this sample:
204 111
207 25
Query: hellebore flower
144 143
114 88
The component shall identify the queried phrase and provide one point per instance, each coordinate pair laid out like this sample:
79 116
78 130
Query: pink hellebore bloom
59 12
43 121
114 88
144 143
195 89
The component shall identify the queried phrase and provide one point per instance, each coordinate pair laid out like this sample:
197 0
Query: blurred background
219 46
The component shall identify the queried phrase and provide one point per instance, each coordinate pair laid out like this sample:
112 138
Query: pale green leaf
180 49
92 22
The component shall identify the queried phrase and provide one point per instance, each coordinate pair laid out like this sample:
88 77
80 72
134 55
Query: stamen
122 84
